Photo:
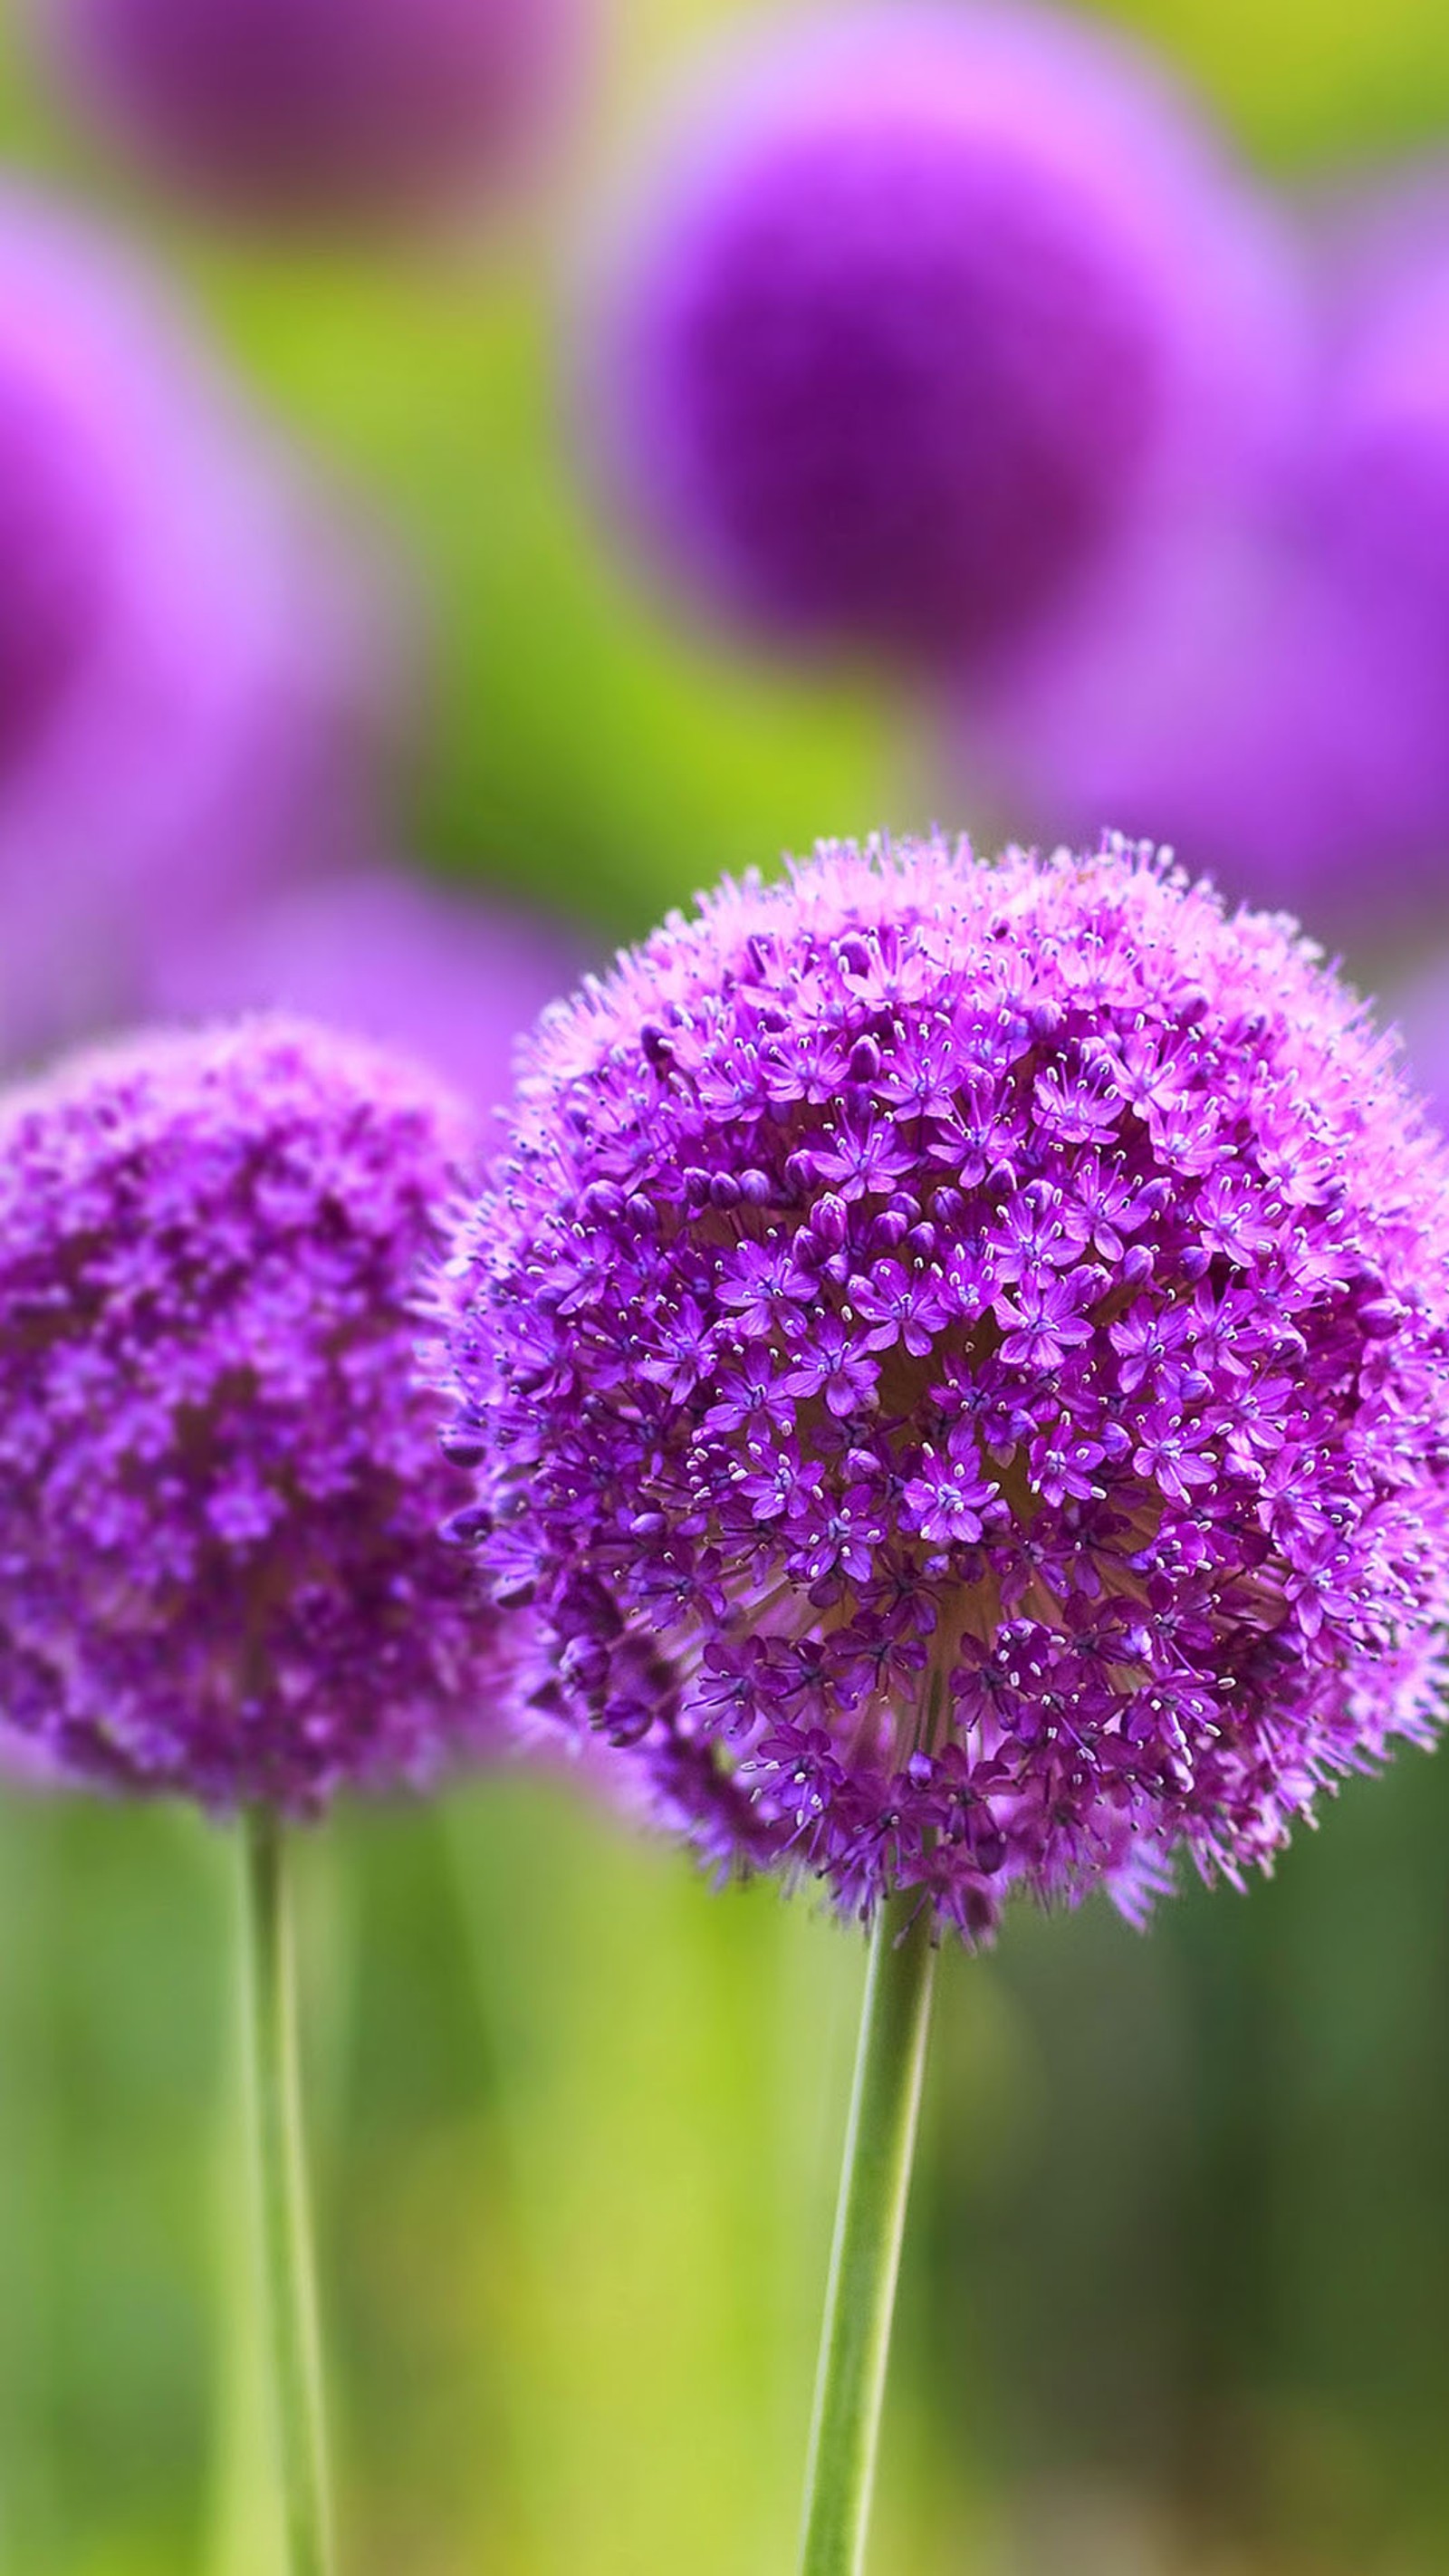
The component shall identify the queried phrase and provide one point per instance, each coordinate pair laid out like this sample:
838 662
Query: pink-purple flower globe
188 665
220 1482
957 1356
921 319
317 108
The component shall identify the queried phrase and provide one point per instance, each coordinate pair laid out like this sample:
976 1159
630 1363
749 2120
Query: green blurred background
1178 2288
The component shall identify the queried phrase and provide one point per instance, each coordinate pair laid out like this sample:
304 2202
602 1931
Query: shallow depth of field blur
1178 2278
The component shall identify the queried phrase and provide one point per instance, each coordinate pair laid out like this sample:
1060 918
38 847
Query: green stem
275 2119
869 2221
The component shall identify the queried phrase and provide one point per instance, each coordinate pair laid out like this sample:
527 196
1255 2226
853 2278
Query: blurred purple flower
342 109
1226 690
920 320
186 676
220 1481
1125 1558
451 976
1384 472
1265 683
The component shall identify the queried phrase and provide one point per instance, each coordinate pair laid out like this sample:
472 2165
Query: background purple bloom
933 308
316 107
186 678
1227 689
220 1484
1385 467
1137 1552
1262 680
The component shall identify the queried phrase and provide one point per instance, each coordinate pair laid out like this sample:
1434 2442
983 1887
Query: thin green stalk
275 2120
869 2222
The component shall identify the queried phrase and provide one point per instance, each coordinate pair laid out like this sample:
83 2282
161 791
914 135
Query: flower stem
869 2221
275 2119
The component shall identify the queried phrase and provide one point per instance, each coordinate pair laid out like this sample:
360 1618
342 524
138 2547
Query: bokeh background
1178 2282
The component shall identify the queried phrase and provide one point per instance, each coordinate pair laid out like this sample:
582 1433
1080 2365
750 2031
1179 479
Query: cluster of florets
956 1357
220 1485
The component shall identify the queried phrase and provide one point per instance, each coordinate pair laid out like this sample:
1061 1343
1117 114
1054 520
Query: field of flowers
472 476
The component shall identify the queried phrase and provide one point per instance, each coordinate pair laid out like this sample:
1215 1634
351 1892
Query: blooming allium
920 321
958 1356
187 656
343 108
220 1484
450 974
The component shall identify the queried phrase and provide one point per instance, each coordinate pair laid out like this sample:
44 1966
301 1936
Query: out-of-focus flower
187 674
335 109
1226 689
1384 472
958 1358
220 1481
1264 682
453 977
930 311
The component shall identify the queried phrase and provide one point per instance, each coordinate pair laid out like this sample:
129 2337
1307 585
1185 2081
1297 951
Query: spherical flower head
926 313
189 672
452 975
335 109
222 1569
956 1356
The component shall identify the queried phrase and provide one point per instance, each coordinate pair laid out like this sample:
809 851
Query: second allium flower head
956 1356
222 1569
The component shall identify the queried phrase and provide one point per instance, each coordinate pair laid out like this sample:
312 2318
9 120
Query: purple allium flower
184 671
334 108
939 303
1140 1541
220 1485
448 974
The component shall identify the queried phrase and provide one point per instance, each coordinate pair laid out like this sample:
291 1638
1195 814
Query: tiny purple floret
1020 1459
